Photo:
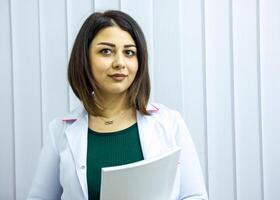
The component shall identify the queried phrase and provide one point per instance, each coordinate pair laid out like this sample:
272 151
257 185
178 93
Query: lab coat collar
77 130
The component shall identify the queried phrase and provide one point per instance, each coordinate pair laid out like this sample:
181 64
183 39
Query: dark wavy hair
79 70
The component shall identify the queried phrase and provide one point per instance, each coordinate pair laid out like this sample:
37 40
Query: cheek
99 66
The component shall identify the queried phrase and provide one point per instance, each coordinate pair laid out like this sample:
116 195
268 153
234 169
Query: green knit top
110 149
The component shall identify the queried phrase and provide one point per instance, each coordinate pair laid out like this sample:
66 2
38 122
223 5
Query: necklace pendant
108 122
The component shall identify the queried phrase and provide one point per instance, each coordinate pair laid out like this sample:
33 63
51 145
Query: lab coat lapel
147 128
76 135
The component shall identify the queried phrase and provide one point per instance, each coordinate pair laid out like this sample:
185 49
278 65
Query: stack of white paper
150 179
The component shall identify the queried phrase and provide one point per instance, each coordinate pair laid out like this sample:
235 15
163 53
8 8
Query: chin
117 91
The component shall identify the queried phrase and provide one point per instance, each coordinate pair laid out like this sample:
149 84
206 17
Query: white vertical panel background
270 87
246 101
167 58
102 5
53 60
27 91
221 159
193 75
7 180
217 62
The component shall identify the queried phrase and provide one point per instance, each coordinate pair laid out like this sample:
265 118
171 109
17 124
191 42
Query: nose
119 61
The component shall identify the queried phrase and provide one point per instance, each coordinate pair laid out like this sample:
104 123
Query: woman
108 72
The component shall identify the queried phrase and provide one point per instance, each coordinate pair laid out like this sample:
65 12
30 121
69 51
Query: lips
118 77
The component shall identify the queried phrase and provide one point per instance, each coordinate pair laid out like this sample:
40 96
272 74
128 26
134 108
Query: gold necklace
111 121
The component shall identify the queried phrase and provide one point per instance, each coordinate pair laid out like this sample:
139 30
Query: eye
106 51
129 53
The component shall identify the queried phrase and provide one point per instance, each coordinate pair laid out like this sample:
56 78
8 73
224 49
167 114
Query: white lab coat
61 171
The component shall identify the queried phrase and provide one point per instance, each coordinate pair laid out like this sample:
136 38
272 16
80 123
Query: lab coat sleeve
192 182
46 183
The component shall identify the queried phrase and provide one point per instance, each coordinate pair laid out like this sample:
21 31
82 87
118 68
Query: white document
150 179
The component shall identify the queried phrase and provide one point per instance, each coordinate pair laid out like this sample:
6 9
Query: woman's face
113 60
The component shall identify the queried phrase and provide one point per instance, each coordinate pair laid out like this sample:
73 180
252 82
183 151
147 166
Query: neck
114 104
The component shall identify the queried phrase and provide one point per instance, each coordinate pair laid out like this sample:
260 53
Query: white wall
216 61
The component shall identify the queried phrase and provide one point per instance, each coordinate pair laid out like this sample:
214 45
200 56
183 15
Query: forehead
113 34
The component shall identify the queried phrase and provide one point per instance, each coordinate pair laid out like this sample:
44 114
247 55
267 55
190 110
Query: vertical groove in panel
204 90
13 104
232 98
66 49
40 66
181 56
259 98
120 4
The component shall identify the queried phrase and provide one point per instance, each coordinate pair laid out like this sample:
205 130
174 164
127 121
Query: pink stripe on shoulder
153 109
68 120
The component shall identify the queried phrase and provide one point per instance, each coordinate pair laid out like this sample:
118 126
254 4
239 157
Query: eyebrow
112 45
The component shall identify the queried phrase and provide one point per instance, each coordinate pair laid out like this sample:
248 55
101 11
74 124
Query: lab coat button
82 167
